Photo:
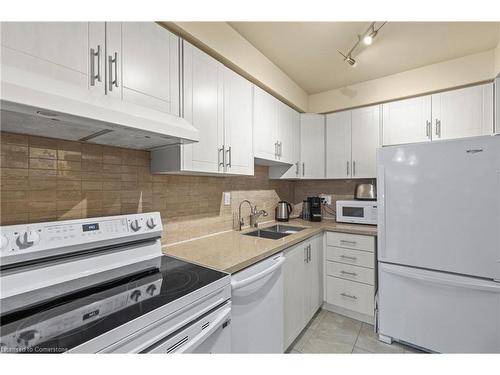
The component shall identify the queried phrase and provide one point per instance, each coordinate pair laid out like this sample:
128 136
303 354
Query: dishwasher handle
242 283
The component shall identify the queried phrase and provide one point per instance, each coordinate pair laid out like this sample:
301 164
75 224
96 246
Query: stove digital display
90 227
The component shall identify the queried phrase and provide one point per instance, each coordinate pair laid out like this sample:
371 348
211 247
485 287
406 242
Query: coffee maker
315 208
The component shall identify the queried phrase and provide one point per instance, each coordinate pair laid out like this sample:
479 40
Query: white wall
448 74
222 41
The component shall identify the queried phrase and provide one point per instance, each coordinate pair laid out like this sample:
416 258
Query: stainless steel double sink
274 232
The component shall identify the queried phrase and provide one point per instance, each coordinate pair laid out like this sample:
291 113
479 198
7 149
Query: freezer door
439 206
438 311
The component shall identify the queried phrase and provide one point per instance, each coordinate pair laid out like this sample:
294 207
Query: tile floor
328 332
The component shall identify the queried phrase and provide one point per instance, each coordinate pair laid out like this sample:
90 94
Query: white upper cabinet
312 145
462 113
365 128
407 121
265 125
292 172
338 145
217 102
203 108
149 61
68 52
238 129
288 134
466 112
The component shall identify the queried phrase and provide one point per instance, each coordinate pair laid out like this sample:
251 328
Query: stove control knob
135 225
151 289
28 338
5 242
28 239
135 295
151 223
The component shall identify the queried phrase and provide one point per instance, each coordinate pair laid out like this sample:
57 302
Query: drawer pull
348 296
349 273
349 242
348 257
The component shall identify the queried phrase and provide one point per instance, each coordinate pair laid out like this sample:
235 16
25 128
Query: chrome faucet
254 214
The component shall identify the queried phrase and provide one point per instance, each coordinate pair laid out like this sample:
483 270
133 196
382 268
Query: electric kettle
283 211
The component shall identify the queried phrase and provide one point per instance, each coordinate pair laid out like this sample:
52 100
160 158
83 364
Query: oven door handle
240 284
204 334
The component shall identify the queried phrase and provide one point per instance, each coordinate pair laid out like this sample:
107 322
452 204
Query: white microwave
359 212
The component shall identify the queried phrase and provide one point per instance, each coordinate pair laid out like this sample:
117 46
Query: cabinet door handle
305 254
219 151
229 153
347 168
303 169
275 149
93 75
297 171
354 167
280 149
348 273
348 257
348 296
428 129
349 242
310 253
113 61
438 128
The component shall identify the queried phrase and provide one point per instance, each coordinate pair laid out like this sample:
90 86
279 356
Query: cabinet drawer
350 295
349 256
351 241
354 273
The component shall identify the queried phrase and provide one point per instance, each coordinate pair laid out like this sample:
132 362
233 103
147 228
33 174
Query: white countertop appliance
439 245
102 285
356 211
257 307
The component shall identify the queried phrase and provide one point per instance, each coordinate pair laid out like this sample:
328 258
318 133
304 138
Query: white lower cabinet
350 275
303 286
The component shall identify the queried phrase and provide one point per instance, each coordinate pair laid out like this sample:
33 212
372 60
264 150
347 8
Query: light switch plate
227 198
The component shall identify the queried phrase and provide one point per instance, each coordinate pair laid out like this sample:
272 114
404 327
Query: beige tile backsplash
44 179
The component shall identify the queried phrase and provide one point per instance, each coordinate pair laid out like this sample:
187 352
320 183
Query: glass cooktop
63 316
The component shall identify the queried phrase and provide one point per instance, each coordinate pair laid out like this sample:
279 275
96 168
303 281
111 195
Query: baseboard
349 313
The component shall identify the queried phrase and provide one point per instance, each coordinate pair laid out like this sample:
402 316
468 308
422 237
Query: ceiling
307 51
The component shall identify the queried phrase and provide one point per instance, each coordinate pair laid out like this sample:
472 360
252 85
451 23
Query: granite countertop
232 252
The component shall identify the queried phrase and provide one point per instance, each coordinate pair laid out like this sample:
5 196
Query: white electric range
103 285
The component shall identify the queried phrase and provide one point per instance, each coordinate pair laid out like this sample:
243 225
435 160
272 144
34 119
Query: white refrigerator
439 245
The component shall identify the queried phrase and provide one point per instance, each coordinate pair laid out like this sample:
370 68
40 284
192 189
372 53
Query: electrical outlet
325 199
227 198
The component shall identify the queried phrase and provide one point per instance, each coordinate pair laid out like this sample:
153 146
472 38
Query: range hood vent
69 114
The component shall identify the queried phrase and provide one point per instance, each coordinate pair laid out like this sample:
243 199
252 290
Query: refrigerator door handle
476 284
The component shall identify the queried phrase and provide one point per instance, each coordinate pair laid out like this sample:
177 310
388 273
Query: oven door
209 334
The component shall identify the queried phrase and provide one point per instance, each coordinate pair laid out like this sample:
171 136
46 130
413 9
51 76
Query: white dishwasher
257 307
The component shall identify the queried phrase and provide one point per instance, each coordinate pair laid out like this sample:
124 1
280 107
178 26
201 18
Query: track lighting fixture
367 37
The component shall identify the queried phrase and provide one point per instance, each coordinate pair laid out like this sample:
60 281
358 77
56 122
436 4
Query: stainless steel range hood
28 109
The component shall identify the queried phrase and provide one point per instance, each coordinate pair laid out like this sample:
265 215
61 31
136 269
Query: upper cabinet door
312 145
203 107
286 132
462 113
294 171
149 62
365 141
338 145
265 125
238 131
62 51
407 121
